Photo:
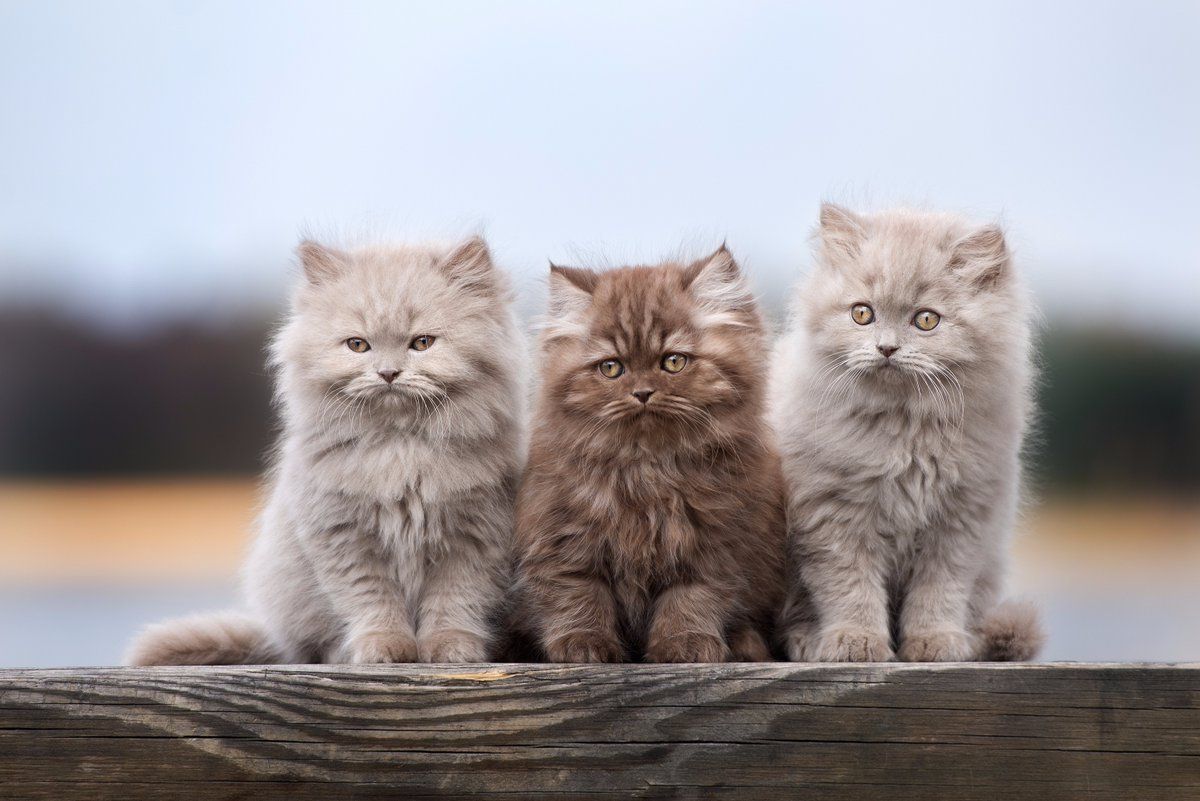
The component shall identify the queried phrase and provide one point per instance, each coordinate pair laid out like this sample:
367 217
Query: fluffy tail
223 638
1011 632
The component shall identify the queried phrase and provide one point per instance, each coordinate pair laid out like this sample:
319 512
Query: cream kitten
901 397
387 533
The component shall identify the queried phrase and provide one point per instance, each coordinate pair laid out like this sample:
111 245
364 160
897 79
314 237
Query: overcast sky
161 157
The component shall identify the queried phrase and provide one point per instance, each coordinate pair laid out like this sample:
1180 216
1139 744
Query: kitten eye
674 362
611 368
862 314
422 342
927 319
358 345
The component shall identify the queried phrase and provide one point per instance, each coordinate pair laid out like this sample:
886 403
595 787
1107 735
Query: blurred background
158 161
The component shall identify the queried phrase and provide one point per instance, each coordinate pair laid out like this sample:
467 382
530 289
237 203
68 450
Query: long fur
387 533
1011 632
904 471
222 638
651 531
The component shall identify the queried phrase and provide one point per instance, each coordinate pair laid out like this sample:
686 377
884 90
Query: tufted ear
720 289
470 266
982 257
571 291
320 262
841 233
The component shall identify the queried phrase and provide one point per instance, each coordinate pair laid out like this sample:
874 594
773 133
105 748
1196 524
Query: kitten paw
749 645
688 647
947 645
852 645
453 646
585 648
800 643
379 647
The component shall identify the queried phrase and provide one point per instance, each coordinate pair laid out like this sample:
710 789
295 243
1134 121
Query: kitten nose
389 375
643 394
888 350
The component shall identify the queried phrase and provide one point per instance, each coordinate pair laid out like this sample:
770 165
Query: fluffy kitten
650 517
902 395
388 530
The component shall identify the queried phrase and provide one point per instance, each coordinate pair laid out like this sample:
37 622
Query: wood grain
768 731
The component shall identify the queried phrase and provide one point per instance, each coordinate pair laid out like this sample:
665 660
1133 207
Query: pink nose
389 375
887 350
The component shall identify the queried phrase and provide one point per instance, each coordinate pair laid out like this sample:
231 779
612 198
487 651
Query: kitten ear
470 266
841 231
981 257
571 291
720 289
320 262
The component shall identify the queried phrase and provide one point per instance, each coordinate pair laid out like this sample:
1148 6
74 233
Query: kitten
902 398
650 516
387 535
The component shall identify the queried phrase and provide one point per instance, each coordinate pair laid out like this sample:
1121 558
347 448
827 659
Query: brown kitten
650 518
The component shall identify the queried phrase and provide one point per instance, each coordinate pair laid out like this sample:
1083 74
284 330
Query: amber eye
674 362
422 342
611 368
862 314
358 345
927 319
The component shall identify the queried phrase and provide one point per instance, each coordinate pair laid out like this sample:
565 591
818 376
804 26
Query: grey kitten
387 533
901 398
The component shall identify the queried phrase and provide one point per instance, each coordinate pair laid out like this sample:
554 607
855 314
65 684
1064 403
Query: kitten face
900 297
394 325
652 349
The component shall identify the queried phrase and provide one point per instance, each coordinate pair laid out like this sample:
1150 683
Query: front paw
945 645
852 645
379 647
800 643
453 646
688 647
749 645
585 648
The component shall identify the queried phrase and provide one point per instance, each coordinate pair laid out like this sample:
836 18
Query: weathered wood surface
897 732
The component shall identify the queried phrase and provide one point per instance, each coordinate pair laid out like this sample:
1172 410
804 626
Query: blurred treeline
77 399
1119 413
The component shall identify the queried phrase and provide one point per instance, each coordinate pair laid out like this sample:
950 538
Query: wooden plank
766 731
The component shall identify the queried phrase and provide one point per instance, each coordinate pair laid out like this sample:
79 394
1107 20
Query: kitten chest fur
652 533
909 470
396 485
